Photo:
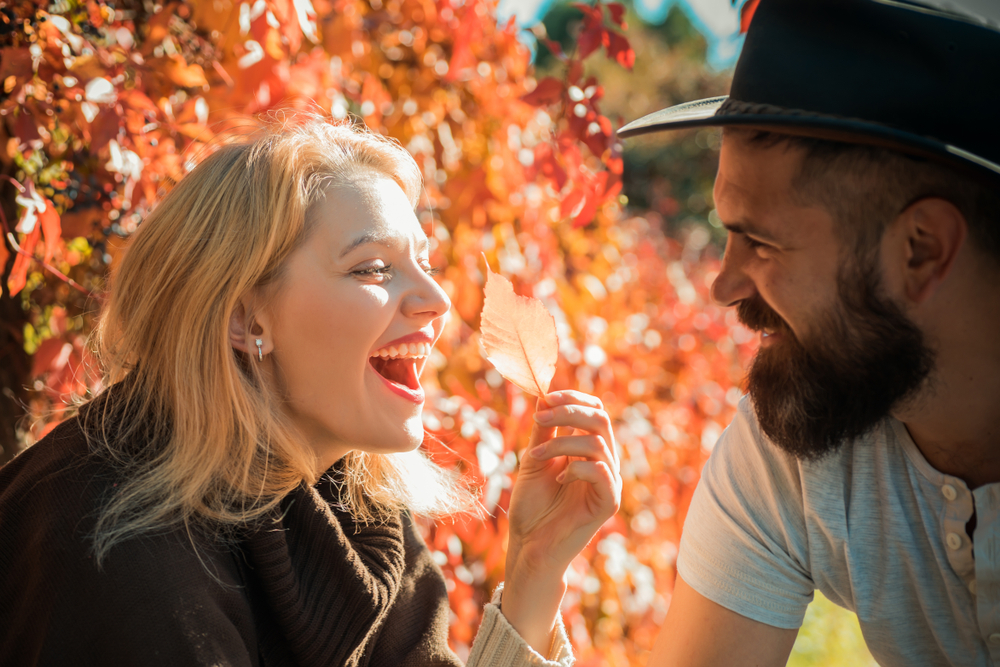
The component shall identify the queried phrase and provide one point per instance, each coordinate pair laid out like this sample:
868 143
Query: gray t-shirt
873 526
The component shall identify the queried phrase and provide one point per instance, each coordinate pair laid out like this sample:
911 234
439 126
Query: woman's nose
427 298
732 285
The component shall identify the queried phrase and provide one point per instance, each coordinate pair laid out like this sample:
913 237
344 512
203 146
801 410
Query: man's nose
732 284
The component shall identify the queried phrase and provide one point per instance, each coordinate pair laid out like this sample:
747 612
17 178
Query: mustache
756 315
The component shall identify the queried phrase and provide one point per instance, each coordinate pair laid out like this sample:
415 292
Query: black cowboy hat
903 75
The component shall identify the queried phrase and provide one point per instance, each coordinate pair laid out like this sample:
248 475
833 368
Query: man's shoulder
744 448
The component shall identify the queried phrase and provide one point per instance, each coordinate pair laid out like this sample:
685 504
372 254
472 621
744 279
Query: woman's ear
934 231
244 332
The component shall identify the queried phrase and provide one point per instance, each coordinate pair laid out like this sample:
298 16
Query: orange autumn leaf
518 335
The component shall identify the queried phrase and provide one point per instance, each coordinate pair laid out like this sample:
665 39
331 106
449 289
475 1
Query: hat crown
922 78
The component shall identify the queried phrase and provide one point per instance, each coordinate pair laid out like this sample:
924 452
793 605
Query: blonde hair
189 419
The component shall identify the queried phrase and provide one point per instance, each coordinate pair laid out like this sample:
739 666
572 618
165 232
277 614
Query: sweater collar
329 581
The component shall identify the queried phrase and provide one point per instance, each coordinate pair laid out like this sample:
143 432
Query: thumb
539 435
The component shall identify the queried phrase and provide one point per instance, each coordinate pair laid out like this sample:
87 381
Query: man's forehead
754 177
755 191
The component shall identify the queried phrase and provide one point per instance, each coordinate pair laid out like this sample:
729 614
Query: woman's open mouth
399 366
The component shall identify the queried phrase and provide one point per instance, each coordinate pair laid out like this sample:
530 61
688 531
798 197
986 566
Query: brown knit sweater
310 587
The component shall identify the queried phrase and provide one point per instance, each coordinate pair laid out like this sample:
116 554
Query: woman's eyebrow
380 238
366 238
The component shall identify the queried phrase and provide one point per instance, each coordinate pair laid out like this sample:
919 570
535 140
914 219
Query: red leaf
590 40
591 14
619 49
547 165
555 47
548 91
746 15
586 214
45 356
25 128
571 203
105 127
617 11
470 31
15 62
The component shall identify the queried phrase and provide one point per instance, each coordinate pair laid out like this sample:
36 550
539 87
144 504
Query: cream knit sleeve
498 645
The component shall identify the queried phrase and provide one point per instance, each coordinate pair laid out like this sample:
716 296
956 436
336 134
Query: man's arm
700 632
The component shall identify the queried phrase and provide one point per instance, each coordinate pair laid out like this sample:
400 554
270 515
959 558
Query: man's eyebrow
742 227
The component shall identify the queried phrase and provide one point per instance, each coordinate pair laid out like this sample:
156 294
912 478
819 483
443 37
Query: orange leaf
51 228
187 76
518 335
18 277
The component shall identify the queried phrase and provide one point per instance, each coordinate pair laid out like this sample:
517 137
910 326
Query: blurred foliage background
104 107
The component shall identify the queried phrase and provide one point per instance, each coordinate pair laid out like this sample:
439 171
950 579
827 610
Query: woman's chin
405 438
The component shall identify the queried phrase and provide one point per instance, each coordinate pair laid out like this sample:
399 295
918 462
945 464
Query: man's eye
753 244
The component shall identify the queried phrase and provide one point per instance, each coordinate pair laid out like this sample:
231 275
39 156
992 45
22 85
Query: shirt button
949 492
995 638
954 542
972 586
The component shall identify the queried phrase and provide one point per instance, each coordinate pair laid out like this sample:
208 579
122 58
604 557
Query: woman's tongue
400 371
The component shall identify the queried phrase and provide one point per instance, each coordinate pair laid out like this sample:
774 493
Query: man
858 179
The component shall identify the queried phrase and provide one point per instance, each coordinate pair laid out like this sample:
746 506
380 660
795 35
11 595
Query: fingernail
561 476
537 451
543 416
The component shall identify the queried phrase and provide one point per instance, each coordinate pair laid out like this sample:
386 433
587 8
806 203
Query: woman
241 492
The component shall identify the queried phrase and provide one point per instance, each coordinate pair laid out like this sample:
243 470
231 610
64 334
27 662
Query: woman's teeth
404 351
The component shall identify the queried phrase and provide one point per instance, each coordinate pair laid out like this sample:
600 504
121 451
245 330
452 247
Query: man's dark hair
866 187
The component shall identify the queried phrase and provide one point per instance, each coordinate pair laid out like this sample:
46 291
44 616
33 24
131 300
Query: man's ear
934 232
243 333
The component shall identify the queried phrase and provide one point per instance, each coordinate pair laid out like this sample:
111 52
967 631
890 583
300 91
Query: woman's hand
567 487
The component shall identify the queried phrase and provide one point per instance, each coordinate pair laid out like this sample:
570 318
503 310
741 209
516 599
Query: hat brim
715 112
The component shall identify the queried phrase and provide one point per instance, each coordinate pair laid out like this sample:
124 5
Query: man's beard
866 359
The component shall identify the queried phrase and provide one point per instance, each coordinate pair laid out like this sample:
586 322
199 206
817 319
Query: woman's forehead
370 210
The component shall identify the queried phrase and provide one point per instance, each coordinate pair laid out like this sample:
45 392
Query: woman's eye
376 272
431 270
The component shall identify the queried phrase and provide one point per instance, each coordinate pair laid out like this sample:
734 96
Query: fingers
539 432
570 397
583 417
593 447
599 476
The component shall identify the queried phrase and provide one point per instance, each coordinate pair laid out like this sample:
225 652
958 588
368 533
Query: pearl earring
260 352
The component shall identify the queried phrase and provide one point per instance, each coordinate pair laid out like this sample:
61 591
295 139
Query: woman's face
353 322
